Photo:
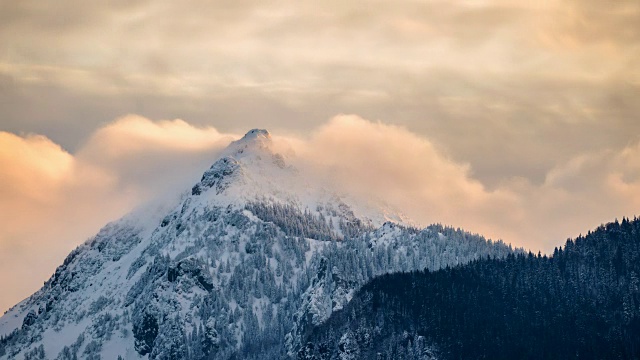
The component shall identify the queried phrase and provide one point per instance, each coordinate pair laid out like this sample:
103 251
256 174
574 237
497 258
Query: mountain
244 265
583 302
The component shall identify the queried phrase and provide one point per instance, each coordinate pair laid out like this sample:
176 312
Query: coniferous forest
581 302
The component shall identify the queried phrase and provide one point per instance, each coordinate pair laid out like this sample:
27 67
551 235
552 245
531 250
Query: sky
518 120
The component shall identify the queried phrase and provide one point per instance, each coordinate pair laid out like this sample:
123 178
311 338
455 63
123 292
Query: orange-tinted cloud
395 165
53 200
410 173
34 164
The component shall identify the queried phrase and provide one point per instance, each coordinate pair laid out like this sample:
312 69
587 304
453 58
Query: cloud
34 173
513 89
600 184
394 166
34 164
52 200
409 172
138 150
394 162
153 48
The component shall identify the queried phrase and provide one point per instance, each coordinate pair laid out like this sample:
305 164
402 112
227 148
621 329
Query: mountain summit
252 166
244 265
259 138
253 145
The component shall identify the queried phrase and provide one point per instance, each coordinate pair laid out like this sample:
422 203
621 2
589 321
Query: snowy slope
241 264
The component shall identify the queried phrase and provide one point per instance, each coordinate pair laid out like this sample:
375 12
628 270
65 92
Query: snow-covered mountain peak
254 142
254 169
249 168
254 134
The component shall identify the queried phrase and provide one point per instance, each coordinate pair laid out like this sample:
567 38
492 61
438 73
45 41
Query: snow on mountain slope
241 264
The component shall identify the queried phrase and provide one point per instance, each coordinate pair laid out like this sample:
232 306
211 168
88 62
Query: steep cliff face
243 265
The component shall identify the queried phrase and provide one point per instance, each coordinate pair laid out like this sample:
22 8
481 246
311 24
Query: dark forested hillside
582 302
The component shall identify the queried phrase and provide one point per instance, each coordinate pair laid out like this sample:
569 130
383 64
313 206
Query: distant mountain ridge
243 265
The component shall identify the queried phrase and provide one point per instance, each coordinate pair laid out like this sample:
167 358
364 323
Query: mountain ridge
583 301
